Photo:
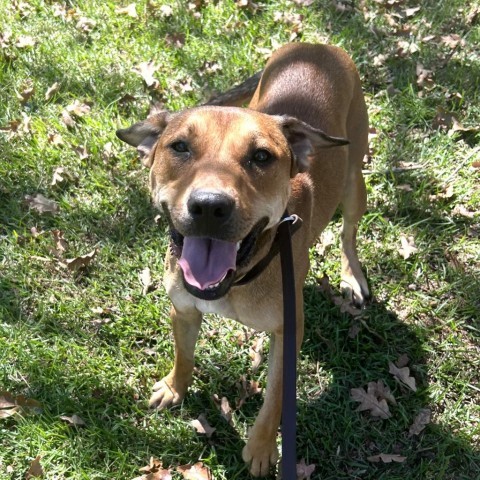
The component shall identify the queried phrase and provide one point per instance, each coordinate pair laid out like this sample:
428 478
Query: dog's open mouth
209 265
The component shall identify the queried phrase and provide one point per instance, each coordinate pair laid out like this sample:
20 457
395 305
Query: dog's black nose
210 206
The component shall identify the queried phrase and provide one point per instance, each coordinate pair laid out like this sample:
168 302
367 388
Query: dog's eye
179 147
262 156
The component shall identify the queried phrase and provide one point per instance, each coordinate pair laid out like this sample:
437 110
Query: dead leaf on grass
11 404
27 91
78 263
61 244
408 247
35 470
202 426
304 471
224 406
78 108
246 389
85 25
374 399
60 177
41 204
403 376
146 71
130 10
25 41
195 472
452 40
386 458
67 119
421 421
256 353
74 420
145 278
52 90
154 471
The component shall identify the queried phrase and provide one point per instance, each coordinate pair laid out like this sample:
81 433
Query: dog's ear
144 135
304 140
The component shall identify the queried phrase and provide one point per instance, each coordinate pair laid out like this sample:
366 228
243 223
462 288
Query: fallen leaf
61 244
304 3
78 108
25 41
408 246
166 10
421 421
26 92
410 12
402 361
55 139
386 458
60 177
327 239
195 472
11 404
154 471
67 119
41 203
176 40
304 471
452 40
463 211
74 420
9 412
402 375
424 76
202 426
146 71
52 90
82 152
374 399
130 10
224 406
85 25
246 390
74 264
35 469
145 278
256 353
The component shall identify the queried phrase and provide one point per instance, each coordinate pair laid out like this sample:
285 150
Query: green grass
57 348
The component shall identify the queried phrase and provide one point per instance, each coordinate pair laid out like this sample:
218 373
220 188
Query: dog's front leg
261 449
172 389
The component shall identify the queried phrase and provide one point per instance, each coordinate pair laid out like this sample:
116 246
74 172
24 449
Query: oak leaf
35 470
386 458
74 420
374 399
304 471
130 10
195 472
402 375
77 263
408 246
202 426
420 422
41 204
224 406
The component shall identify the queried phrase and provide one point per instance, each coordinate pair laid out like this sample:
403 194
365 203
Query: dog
224 175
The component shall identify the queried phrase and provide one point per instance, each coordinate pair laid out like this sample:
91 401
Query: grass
89 343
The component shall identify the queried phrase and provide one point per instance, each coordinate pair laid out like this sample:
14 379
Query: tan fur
318 85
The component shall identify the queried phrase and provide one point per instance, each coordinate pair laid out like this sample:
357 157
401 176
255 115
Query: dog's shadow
340 353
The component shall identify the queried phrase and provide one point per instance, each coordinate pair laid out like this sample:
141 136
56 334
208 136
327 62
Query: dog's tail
238 95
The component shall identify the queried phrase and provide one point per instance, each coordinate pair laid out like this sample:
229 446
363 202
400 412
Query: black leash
289 397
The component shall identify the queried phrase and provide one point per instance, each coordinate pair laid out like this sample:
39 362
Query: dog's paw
261 456
165 395
355 293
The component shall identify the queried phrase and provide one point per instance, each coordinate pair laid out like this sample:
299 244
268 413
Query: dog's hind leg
172 389
354 204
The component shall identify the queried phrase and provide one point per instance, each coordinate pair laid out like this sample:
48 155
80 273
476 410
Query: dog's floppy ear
144 135
304 140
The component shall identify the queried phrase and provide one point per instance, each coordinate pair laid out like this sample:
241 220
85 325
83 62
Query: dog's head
221 176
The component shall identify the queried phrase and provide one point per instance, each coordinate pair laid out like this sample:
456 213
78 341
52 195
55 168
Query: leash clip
294 218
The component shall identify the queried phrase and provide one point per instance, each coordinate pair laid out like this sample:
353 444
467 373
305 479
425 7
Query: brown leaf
304 3
26 93
452 40
202 426
421 421
60 177
402 361
82 152
41 203
85 25
146 71
154 471
74 264
224 406
130 10
304 471
463 211
78 108
408 246
374 399
166 10
52 90
35 469
9 412
195 472
61 244
145 278
256 353
424 76
74 420
410 12
176 40
67 119
386 458
246 390
403 375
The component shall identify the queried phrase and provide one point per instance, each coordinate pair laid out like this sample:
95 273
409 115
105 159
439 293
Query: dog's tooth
239 244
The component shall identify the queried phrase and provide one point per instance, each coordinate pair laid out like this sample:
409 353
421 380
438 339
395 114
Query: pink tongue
206 261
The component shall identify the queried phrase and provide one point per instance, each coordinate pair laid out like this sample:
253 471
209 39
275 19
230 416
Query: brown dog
223 176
